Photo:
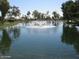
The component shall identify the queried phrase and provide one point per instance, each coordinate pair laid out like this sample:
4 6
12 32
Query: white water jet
40 24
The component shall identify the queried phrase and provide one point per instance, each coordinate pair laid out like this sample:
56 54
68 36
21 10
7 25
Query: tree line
44 16
14 11
70 11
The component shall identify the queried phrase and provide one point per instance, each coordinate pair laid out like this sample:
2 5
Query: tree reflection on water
15 32
5 42
71 36
7 39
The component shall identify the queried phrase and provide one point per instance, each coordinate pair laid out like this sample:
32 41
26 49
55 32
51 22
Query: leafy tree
14 11
55 16
35 14
4 6
42 16
28 14
70 10
47 16
47 13
66 8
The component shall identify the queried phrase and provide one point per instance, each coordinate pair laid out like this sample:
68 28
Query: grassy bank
7 23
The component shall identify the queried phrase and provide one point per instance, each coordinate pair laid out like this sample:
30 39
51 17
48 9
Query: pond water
22 42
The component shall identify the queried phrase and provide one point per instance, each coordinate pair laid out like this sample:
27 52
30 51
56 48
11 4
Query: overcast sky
40 5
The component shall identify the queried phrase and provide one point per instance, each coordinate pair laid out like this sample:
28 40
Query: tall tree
28 14
14 11
35 14
4 6
55 16
47 16
42 16
70 10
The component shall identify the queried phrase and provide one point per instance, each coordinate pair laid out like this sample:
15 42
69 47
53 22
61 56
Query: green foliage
38 15
41 16
14 11
55 16
28 13
35 14
70 10
4 6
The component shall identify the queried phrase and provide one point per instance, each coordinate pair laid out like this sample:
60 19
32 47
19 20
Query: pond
23 42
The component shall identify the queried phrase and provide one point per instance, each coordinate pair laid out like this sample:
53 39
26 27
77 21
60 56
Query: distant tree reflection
5 42
7 39
71 36
15 32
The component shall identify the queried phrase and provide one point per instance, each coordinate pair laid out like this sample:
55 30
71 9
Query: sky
40 5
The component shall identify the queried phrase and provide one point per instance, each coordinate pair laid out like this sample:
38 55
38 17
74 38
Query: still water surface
21 42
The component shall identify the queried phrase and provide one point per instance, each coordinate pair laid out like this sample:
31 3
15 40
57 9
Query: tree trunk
2 18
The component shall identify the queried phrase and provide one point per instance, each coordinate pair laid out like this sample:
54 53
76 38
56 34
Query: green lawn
7 23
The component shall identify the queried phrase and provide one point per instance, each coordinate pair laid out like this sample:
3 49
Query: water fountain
40 24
